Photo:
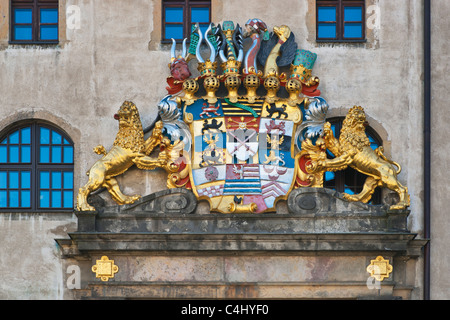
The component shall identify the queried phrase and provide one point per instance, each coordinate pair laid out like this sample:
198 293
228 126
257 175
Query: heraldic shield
242 153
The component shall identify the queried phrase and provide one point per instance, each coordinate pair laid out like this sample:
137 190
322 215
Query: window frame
35 168
340 176
340 19
35 6
187 5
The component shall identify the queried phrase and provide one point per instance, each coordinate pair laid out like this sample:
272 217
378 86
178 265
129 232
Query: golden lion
129 148
353 149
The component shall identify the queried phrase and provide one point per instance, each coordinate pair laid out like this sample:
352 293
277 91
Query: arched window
351 181
36 168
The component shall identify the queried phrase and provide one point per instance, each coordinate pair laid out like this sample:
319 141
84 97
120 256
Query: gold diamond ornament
105 269
379 268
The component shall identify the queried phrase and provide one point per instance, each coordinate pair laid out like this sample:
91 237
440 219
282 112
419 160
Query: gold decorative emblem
105 268
379 268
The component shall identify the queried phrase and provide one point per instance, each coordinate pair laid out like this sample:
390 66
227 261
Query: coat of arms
241 138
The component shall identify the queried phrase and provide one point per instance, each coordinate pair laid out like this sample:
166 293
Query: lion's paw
350 197
132 199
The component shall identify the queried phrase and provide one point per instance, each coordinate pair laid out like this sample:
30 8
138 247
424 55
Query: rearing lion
353 149
129 148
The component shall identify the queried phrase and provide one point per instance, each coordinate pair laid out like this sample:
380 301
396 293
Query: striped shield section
242 179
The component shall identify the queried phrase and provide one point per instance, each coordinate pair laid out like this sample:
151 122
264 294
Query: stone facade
165 248
114 55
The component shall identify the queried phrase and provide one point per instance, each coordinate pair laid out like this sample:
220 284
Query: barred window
36 168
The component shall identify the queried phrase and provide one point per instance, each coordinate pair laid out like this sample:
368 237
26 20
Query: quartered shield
242 154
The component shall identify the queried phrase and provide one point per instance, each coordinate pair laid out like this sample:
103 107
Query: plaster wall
115 55
30 260
440 158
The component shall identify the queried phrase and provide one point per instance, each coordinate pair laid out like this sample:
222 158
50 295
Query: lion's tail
379 152
399 168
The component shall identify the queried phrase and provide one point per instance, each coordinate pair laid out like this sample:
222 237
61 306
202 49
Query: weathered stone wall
30 259
440 144
115 55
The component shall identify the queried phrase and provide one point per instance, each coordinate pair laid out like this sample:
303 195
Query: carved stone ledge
325 205
322 201
171 201
332 239
164 291
310 210
306 243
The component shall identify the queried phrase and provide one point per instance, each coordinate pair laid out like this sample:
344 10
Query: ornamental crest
246 131
243 143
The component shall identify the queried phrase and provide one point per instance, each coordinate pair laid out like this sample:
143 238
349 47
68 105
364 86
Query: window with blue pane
36 168
351 181
178 17
48 27
201 16
34 21
340 20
